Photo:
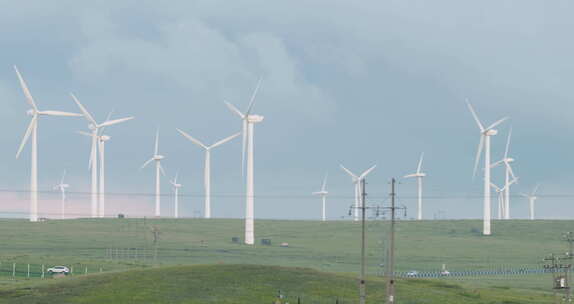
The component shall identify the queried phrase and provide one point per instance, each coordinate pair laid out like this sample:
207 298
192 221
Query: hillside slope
245 284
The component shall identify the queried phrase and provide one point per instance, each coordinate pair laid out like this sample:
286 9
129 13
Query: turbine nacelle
254 118
509 159
490 132
158 157
105 138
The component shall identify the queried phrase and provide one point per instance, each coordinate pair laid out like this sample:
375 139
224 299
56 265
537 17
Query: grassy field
330 246
239 284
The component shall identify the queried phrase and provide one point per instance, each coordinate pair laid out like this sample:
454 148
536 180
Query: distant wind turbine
500 195
176 187
506 160
531 199
62 187
207 168
249 120
98 209
358 191
485 134
323 194
158 168
419 176
33 130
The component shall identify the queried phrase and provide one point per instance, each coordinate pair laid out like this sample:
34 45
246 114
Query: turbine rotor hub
491 132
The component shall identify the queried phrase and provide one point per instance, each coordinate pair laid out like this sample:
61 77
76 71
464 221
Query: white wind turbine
419 175
33 130
502 207
62 187
207 168
485 134
358 191
323 194
508 174
531 199
98 209
176 187
249 120
158 168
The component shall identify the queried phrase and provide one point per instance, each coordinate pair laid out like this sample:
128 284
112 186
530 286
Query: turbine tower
249 120
506 160
485 134
97 141
358 190
33 130
323 194
158 168
419 176
207 168
176 187
531 199
62 187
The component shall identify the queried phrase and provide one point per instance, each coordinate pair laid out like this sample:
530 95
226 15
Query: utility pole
391 261
362 291
569 237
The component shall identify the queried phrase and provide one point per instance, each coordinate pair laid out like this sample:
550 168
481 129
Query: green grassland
325 246
247 284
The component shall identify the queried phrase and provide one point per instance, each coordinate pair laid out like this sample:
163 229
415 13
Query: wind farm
390 153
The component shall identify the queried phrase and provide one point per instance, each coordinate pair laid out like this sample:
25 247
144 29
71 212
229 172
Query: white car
445 273
412 273
59 269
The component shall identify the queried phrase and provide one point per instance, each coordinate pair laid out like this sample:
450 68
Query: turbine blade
535 189
195 141
349 172
60 113
107 119
478 152
161 169
115 121
324 182
362 176
250 107
63 176
221 142
496 123
234 109
176 175
146 163
410 175
496 164
84 133
475 116
27 93
507 143
156 147
510 169
27 135
420 163
87 114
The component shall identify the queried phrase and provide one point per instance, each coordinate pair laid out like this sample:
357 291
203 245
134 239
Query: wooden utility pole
391 261
362 289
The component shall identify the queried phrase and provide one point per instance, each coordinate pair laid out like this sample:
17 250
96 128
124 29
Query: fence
40 271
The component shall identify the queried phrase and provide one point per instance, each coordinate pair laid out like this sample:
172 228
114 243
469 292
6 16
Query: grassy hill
247 284
329 246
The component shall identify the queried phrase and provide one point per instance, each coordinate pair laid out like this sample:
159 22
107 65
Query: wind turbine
207 168
531 199
97 209
62 187
176 187
358 191
249 120
323 194
33 130
508 173
419 175
158 168
502 207
485 134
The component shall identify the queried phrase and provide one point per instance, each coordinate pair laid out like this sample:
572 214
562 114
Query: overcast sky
357 83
